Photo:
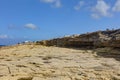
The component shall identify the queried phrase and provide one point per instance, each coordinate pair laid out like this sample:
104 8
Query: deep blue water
2 45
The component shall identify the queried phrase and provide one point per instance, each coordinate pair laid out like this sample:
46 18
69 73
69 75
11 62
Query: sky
33 20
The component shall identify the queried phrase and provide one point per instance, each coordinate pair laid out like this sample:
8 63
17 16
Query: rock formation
108 38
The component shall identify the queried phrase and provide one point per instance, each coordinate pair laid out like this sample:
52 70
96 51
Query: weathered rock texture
34 62
109 38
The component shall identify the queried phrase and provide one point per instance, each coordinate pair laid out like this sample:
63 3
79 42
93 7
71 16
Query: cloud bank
116 7
101 9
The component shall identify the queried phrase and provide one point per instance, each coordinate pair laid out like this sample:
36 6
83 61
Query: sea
2 45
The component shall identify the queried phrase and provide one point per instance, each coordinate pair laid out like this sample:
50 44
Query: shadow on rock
108 53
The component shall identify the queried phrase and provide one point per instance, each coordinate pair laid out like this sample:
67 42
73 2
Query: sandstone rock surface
34 62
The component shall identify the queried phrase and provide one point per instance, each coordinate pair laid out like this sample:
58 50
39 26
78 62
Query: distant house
27 42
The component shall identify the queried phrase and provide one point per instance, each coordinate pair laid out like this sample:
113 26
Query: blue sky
22 20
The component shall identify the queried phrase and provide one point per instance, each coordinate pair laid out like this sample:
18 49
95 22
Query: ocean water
2 45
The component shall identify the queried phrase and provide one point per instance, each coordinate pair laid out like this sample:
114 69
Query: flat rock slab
33 62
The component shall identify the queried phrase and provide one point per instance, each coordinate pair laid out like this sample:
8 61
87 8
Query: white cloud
55 3
30 26
79 5
116 7
3 36
101 9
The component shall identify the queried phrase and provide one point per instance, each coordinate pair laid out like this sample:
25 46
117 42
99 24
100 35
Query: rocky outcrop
108 38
